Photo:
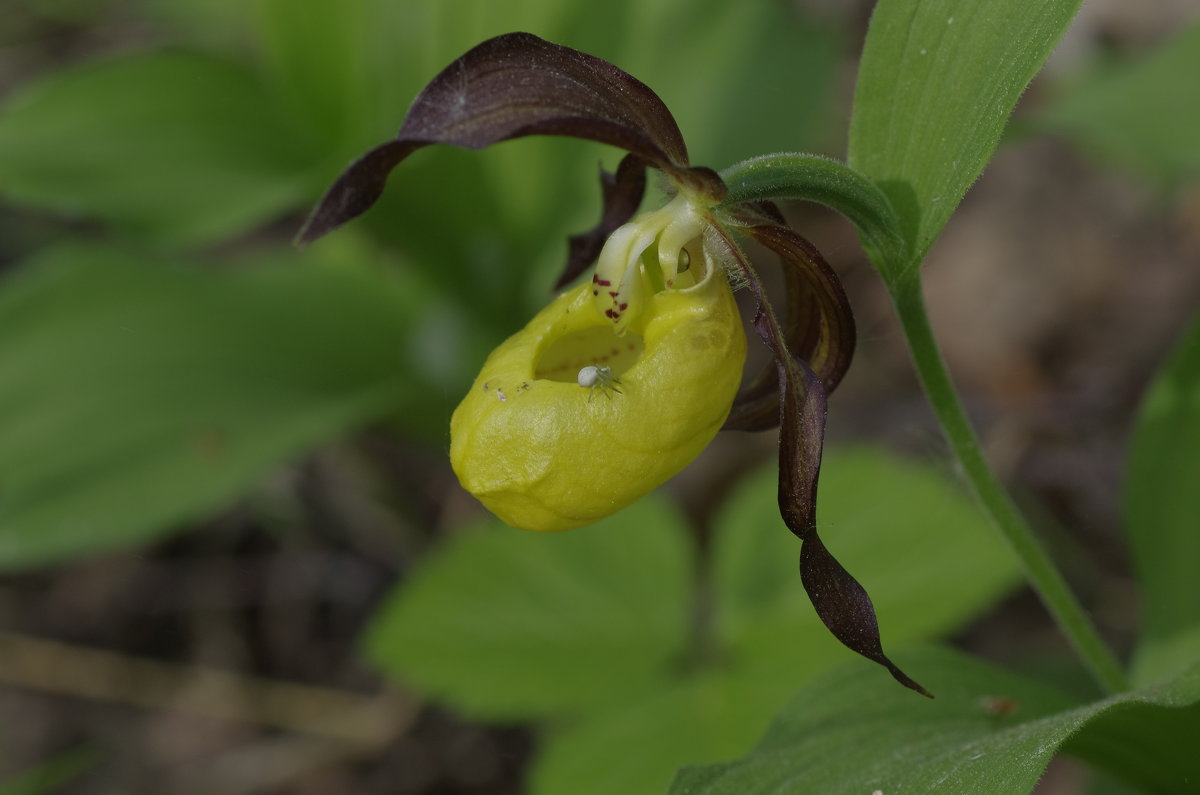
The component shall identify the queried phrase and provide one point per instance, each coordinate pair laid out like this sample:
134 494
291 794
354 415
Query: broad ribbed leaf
987 732
509 87
936 84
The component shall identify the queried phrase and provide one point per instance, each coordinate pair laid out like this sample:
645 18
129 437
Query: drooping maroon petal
819 327
756 407
840 601
512 86
622 194
356 190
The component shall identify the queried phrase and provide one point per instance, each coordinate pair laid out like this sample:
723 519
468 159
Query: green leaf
987 731
506 624
137 395
328 64
177 149
936 84
765 81
708 717
768 640
1161 506
1149 748
1145 113
915 540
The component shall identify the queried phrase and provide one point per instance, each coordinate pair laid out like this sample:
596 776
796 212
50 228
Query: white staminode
617 285
595 377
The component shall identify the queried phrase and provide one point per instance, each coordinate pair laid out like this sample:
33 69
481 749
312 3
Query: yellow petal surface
543 453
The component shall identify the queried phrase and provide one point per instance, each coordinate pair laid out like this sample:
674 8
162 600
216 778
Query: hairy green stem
1040 570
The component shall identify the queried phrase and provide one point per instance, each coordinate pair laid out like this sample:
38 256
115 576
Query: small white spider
595 377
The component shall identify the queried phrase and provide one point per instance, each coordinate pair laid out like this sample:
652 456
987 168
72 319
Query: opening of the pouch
597 345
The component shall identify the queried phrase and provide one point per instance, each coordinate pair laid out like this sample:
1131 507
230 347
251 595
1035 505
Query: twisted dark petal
840 601
756 407
819 327
356 190
513 86
845 608
622 194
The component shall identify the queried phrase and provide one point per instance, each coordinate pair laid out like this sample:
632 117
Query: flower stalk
1041 572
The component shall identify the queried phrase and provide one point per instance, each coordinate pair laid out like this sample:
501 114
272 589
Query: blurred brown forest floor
1056 291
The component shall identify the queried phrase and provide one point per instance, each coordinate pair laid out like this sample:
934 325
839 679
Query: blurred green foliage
167 348
1142 113
170 148
1161 509
141 393
608 630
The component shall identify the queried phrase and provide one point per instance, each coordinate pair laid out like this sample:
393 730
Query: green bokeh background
218 451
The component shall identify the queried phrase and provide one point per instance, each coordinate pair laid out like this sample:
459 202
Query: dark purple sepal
819 325
356 190
513 86
840 601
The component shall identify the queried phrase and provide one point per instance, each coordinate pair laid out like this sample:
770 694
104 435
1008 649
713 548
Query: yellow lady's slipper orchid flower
619 383
535 445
